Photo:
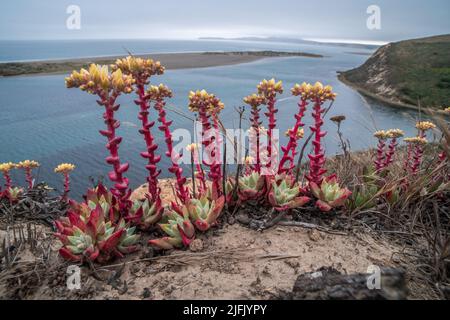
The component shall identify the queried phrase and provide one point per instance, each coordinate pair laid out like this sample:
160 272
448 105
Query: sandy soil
230 263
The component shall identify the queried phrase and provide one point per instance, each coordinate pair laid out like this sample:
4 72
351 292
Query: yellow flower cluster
270 88
300 133
395 133
191 147
312 92
7 166
28 164
160 92
254 100
64 168
303 90
98 79
202 99
416 140
138 67
425 125
381 134
248 160
447 110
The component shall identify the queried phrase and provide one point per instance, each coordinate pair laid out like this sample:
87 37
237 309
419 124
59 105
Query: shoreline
365 92
172 61
388 102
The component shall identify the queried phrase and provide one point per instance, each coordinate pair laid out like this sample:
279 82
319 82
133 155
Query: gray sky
189 19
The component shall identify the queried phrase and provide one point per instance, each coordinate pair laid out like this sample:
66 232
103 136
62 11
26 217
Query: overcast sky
189 19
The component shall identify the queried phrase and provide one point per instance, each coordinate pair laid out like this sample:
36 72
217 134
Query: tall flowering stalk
415 153
141 70
255 101
158 94
5 169
269 90
290 150
319 95
380 160
197 173
108 87
28 166
65 169
394 135
208 107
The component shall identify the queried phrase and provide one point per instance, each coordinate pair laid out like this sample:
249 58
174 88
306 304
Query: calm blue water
40 119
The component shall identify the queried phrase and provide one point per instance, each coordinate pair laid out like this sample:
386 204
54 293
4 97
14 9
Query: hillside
405 72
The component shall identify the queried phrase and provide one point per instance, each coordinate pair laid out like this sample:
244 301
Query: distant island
406 72
170 60
296 41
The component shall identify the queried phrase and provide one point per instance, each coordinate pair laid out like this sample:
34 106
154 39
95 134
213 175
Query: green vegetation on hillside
415 70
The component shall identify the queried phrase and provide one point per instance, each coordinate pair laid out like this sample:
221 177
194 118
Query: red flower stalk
208 105
317 159
28 166
158 94
319 94
65 169
381 156
141 70
255 101
108 86
394 134
5 168
415 153
269 89
198 172
294 133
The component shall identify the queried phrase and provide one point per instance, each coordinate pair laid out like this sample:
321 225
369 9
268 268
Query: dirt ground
229 263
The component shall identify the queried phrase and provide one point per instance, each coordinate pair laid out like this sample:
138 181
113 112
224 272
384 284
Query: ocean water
42 120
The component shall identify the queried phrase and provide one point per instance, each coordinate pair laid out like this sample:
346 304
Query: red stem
214 167
390 154
317 159
272 124
256 127
120 189
152 179
182 191
379 162
66 183
292 144
8 180
29 178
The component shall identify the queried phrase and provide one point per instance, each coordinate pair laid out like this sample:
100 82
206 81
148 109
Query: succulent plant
204 211
318 94
108 86
329 195
91 236
145 214
65 169
269 89
28 166
12 193
364 197
179 229
251 186
285 195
